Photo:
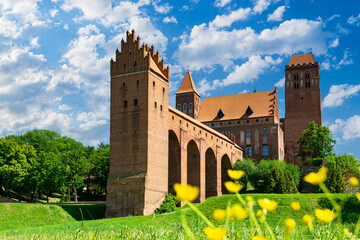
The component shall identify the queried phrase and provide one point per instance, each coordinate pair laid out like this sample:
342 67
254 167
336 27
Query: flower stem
186 227
269 230
197 211
251 213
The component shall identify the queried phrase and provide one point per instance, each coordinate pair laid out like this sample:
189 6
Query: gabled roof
235 106
187 85
301 59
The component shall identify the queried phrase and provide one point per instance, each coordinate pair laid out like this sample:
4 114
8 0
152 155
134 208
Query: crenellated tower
138 176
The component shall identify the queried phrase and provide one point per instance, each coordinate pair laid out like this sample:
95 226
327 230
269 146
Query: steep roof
301 59
187 85
236 106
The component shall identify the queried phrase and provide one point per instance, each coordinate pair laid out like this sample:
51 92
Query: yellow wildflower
261 214
90 233
353 182
215 233
219 214
316 178
325 215
307 219
268 204
357 196
295 206
290 225
186 192
250 201
259 238
233 187
238 212
235 174
359 168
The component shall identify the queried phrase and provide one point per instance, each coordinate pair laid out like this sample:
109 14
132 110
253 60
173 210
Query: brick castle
153 146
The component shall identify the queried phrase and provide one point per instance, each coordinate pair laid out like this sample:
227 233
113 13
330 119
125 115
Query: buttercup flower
353 182
232 187
290 225
325 215
250 201
268 204
357 196
259 238
235 174
316 178
215 233
261 214
295 206
238 212
186 192
307 219
219 214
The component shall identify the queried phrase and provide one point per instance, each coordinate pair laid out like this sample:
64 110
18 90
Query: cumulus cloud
338 93
163 9
222 3
207 46
348 129
171 19
334 43
261 5
227 20
277 15
53 12
280 83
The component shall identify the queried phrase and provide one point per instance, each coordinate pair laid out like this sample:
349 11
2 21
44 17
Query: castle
153 145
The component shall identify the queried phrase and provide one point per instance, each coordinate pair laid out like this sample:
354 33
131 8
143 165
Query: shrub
168 205
351 207
290 186
281 182
248 166
335 181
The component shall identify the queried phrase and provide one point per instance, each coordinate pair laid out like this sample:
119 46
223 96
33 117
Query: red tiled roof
187 85
301 59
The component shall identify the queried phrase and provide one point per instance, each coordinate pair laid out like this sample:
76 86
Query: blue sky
54 56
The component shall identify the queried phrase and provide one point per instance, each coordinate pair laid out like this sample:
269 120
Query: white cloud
334 43
208 46
53 12
163 9
171 19
348 129
277 15
280 83
325 65
338 94
261 5
227 20
354 20
221 3
66 27
345 60
333 17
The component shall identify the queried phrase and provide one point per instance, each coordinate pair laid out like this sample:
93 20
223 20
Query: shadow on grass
85 211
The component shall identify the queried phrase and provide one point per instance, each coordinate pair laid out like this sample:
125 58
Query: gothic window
155 104
307 75
125 104
135 102
220 114
153 83
248 133
264 132
249 111
296 76
160 107
296 85
307 84
248 152
137 83
190 107
184 107
265 150
179 107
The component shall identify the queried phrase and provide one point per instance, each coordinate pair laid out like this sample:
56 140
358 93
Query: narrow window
296 85
135 102
155 104
307 84
248 151
307 75
123 84
179 107
125 104
248 133
124 65
153 83
232 134
137 83
160 107
163 91
187 97
184 107
265 150
296 76
264 132
182 98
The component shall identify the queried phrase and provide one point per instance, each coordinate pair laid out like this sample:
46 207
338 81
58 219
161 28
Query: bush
281 182
335 181
168 205
351 207
248 166
290 186
344 163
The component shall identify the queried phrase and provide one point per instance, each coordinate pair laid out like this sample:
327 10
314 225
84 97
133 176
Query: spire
187 85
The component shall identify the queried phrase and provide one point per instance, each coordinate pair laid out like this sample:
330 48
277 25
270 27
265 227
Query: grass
38 221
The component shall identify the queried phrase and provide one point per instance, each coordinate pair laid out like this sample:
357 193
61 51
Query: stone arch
193 165
174 169
225 165
210 174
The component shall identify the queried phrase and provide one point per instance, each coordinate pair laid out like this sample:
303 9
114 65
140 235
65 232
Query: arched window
184 108
179 107
265 150
190 107
264 132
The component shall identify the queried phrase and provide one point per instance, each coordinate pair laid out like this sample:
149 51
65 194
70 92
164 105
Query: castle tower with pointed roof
302 101
188 98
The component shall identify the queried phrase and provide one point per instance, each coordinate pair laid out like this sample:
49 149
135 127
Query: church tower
188 98
302 101
137 181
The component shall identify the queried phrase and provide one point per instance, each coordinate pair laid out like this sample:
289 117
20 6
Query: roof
155 68
235 106
301 59
187 85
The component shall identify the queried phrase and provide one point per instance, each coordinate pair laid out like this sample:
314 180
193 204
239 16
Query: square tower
137 181
302 101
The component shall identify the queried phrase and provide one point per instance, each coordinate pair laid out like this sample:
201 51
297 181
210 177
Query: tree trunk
47 196
19 196
75 193
32 197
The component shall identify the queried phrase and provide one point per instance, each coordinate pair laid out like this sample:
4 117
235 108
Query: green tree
101 160
315 142
248 166
335 181
344 163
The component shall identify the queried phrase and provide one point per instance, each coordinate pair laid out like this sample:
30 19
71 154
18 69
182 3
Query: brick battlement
299 66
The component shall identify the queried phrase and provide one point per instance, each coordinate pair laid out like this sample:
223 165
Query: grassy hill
25 221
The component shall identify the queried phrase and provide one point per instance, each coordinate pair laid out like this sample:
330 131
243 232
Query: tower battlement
135 57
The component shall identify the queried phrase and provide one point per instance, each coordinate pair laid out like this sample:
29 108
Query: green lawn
39 221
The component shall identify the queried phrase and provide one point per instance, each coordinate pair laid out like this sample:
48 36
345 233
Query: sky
54 56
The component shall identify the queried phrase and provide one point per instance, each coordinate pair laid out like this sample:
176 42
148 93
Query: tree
315 142
248 166
335 181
